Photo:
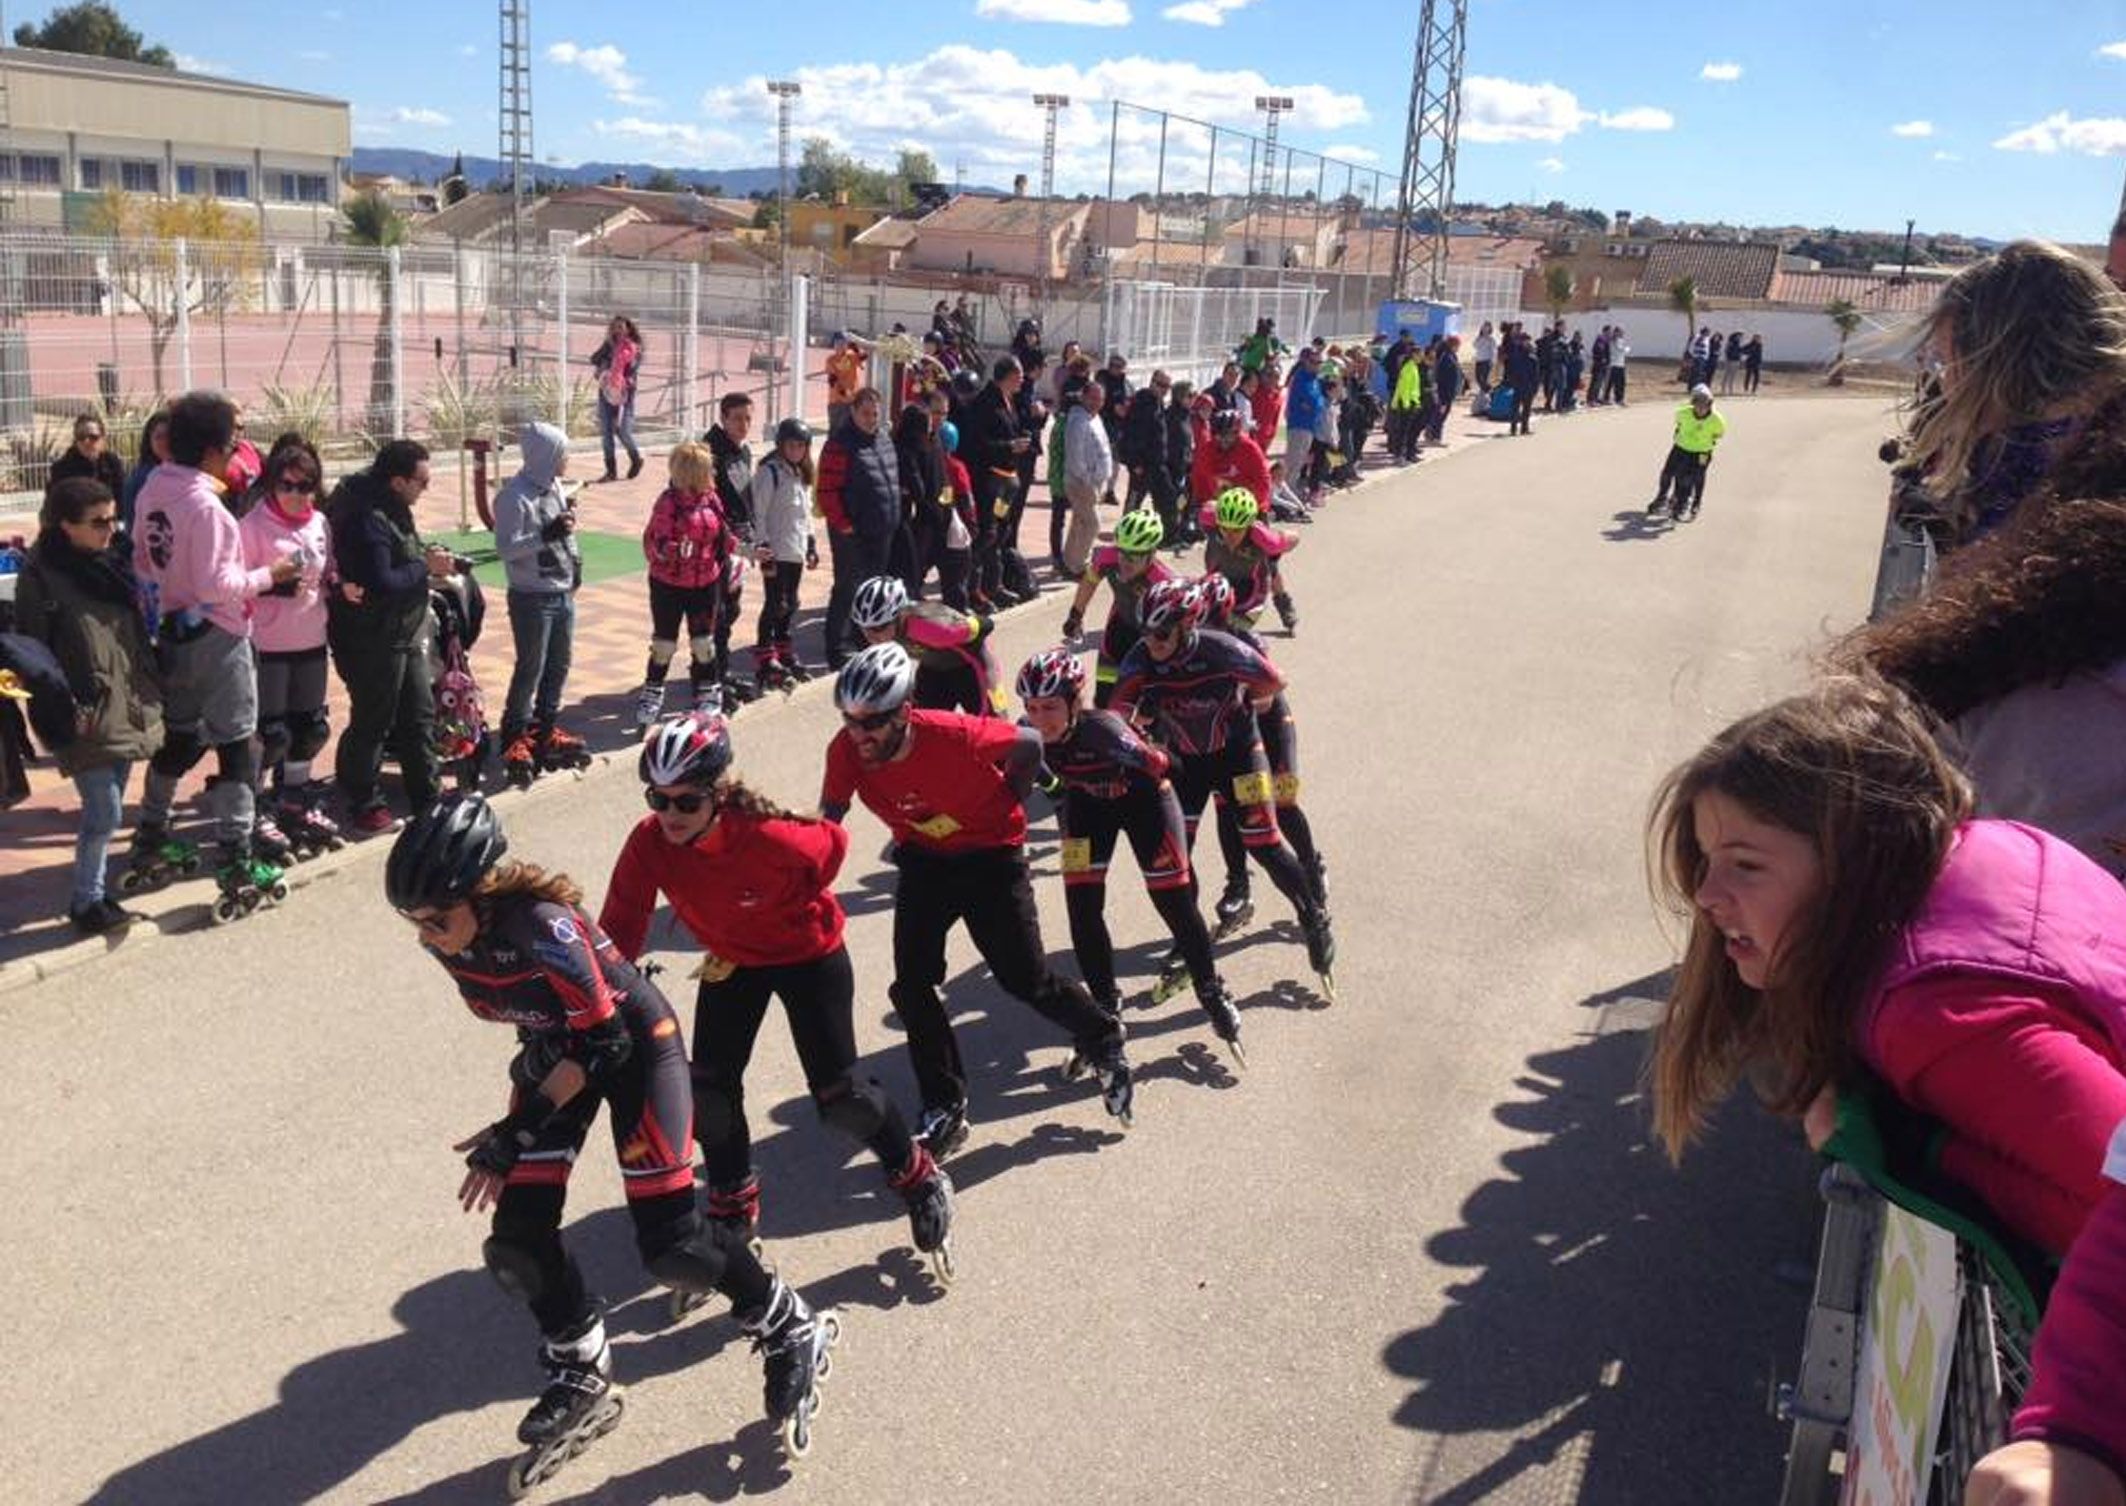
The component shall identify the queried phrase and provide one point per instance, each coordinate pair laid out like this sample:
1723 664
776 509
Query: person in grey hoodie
535 526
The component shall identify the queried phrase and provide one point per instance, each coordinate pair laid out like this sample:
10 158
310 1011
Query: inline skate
1224 1017
558 748
943 1130
302 818
1173 976
797 1346
928 1193
579 1405
246 882
1321 949
1080 1061
270 844
649 705
1236 907
733 1208
156 858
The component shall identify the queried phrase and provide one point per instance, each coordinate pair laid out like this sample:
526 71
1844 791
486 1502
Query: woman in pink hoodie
688 549
288 630
1848 920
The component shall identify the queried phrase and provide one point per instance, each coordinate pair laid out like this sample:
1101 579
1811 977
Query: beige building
1000 237
79 126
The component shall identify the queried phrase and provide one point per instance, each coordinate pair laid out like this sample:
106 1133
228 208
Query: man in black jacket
860 496
732 461
1142 447
378 622
994 443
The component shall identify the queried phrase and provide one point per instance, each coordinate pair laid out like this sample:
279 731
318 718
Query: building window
301 188
140 177
232 183
91 174
187 178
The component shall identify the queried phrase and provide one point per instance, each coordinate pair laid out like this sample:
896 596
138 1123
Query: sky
1861 115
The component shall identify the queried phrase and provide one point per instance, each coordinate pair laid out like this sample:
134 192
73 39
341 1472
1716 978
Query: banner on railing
1907 1342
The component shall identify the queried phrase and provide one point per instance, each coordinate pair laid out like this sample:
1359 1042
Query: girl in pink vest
1847 918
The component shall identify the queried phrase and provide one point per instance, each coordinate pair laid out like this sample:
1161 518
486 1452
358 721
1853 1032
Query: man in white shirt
1088 477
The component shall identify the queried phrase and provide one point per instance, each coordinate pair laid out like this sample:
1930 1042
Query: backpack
461 735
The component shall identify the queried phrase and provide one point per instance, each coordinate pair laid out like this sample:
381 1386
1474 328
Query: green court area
604 554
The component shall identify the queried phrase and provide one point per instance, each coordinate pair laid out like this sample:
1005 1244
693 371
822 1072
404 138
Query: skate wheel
1073 1067
686 1303
1240 1056
520 1483
188 866
128 883
278 892
797 1428
225 910
943 1266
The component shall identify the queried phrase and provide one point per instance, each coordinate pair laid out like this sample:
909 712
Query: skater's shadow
751 1463
872 893
1635 526
1612 1306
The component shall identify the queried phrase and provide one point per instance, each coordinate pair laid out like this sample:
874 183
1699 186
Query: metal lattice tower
1428 148
515 113
1050 103
1272 106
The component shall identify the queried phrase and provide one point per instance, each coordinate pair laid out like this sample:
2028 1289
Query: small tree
372 222
455 188
664 180
1557 289
1846 316
94 29
1683 298
221 263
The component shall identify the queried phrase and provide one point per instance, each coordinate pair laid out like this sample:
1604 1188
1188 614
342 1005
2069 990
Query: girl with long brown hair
1849 921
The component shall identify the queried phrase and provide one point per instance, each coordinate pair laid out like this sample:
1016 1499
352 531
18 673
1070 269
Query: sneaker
372 820
634 467
101 918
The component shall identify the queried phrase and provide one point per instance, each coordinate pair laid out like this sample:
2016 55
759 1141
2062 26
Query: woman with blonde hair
688 548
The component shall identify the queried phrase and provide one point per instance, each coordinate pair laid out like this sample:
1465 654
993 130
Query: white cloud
1061 12
1552 164
419 116
1913 129
1638 118
2113 50
974 106
2094 136
1351 152
468 50
1947 157
1204 12
186 63
1721 73
683 143
605 63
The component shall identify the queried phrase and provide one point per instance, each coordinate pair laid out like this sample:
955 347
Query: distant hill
428 167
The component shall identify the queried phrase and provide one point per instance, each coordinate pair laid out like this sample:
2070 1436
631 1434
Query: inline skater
1698 429
591 1031
952 790
1245 550
688 550
785 548
954 670
754 884
535 534
1198 693
733 464
1280 745
1130 567
1232 458
1114 783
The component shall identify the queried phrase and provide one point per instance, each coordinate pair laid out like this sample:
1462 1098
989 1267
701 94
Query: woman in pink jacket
1848 919
688 548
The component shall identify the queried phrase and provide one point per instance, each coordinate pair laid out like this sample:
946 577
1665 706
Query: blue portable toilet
1423 318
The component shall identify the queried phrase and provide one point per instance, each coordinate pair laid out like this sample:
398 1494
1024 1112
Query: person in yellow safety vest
1406 404
1698 429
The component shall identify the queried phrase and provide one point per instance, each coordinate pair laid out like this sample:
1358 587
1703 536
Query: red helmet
1052 672
1172 603
1218 598
692 748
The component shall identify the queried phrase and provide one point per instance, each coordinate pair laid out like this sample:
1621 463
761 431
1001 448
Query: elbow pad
602 1052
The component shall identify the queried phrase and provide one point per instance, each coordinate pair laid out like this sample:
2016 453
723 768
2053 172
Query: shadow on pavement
1634 526
1617 1312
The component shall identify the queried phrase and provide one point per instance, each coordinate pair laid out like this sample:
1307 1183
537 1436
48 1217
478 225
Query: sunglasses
430 925
686 805
876 721
302 485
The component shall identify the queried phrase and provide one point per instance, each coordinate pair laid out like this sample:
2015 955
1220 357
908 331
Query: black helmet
966 386
793 428
443 853
1029 327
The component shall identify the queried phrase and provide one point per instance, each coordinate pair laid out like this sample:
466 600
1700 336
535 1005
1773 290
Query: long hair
1851 767
2029 331
734 794
509 879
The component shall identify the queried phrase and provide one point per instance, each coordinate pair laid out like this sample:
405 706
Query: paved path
1420 1251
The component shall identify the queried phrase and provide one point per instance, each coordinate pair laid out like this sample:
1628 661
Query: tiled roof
1721 269
638 241
1867 292
470 219
1168 253
887 235
665 208
1283 227
974 214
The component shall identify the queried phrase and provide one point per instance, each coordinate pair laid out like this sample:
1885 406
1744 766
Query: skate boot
770 673
246 881
786 655
1235 909
649 704
1173 976
1321 949
520 760
1080 1060
928 1193
943 1130
1287 612
1224 1017
1657 507
579 1405
303 818
271 844
797 1348
1317 869
1116 1093
156 858
733 1209
559 748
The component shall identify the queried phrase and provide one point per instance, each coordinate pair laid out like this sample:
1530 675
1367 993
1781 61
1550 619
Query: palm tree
1846 315
1683 298
1557 289
372 222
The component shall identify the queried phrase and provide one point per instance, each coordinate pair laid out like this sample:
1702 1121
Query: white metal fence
1192 331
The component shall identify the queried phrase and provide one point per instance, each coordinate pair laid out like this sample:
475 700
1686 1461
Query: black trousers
992 893
819 1000
1683 476
779 584
1523 405
857 557
389 702
1238 777
1150 816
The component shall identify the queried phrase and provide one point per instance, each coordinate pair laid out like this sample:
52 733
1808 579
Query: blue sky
1863 114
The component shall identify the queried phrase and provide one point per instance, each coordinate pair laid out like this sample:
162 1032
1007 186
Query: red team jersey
949 793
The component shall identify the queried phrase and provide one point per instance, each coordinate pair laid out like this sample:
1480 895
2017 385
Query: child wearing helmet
1230 458
1129 567
784 548
956 561
1115 783
1690 455
592 1032
754 885
1244 549
953 667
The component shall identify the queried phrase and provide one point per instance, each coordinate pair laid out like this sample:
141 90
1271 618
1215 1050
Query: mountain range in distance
432 167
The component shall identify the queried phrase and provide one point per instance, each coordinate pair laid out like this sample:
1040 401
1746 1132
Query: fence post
184 314
393 290
690 355
561 339
799 337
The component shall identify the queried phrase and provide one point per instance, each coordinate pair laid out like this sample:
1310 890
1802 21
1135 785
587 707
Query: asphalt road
1420 1251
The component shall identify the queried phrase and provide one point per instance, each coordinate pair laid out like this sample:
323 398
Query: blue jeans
618 422
543 626
102 809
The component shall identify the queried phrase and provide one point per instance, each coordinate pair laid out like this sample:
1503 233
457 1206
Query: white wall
1792 337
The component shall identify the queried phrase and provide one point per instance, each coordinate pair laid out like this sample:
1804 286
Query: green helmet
1237 507
1139 532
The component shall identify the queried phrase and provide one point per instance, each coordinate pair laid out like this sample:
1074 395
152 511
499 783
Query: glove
506 1140
1073 623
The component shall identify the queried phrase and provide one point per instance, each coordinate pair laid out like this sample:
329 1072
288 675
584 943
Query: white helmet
879 602
878 679
691 748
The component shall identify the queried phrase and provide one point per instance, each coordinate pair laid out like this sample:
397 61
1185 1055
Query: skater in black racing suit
590 1031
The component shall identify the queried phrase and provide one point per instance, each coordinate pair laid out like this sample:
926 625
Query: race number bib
1253 788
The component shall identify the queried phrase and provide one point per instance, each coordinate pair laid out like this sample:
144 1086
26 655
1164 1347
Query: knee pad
308 732
516 1267
275 739
662 650
239 761
702 646
855 1106
686 1255
1287 789
179 751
